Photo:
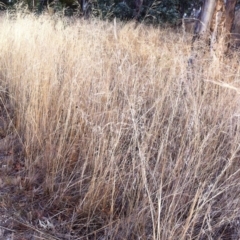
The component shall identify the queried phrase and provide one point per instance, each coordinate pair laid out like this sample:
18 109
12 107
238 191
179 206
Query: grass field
121 138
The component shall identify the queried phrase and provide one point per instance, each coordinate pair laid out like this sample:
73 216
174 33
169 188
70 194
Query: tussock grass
123 139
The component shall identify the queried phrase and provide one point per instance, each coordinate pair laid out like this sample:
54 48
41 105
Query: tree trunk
203 26
229 17
215 22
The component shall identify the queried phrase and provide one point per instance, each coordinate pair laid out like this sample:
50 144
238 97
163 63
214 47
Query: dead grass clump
122 139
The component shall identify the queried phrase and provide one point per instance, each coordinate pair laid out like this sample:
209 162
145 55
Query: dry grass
122 139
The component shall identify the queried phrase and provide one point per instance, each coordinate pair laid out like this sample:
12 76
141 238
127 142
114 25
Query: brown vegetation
118 137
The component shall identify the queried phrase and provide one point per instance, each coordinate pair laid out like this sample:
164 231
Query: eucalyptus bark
207 11
229 15
215 22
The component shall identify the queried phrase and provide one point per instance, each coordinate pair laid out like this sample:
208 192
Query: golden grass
122 138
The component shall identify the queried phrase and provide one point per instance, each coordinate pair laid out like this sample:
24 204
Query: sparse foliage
150 11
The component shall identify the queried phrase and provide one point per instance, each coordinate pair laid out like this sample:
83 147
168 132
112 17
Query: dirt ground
11 176
21 207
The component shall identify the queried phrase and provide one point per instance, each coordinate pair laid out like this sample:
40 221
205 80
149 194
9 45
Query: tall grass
122 138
